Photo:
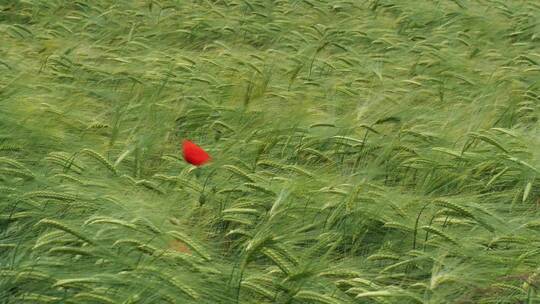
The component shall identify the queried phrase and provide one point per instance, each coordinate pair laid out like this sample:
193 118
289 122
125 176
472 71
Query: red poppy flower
194 154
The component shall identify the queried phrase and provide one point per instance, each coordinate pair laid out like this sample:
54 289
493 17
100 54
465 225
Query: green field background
363 151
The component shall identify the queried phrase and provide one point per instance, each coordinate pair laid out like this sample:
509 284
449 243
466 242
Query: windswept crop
377 151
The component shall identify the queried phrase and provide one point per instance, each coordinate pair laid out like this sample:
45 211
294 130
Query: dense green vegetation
380 151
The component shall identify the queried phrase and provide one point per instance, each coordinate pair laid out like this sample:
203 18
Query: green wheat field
363 151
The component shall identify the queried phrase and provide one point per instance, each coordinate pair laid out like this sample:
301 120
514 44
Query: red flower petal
194 154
